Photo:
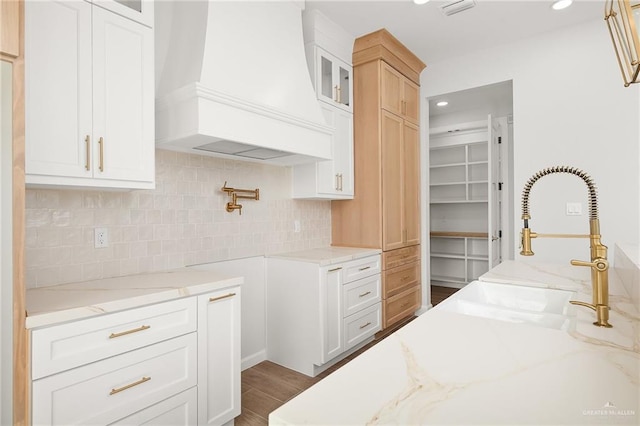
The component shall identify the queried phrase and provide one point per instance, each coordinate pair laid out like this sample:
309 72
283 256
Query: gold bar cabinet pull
101 143
365 325
124 333
226 296
335 269
130 385
364 294
87 142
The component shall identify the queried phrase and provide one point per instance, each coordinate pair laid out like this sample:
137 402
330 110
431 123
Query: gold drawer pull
130 385
406 277
335 269
124 333
226 296
87 164
101 143
404 305
364 294
365 325
364 268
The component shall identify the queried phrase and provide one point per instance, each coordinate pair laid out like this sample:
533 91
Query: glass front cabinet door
333 80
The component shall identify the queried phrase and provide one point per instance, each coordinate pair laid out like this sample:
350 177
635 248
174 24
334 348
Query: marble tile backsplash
182 222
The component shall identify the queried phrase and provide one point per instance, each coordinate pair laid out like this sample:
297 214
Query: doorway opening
470 185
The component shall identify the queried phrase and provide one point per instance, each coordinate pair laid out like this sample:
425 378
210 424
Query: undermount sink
513 303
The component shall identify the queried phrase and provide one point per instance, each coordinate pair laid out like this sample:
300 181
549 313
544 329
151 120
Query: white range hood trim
195 115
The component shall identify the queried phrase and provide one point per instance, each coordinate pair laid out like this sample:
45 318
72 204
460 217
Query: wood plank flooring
438 294
267 386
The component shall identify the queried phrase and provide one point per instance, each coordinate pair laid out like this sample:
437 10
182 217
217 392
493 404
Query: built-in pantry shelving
461 192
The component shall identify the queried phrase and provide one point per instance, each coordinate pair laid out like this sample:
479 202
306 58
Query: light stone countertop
327 255
60 303
451 369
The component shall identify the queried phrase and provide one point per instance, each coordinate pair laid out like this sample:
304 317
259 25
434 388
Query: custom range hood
232 81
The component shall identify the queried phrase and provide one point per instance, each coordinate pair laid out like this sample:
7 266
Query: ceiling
434 37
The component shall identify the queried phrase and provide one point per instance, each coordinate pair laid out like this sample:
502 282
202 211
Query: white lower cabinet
179 410
173 363
316 314
218 357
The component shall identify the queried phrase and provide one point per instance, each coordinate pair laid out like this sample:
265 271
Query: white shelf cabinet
89 97
175 362
317 314
463 189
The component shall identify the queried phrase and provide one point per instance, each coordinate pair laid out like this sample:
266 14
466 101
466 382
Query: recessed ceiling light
420 1
442 103
561 4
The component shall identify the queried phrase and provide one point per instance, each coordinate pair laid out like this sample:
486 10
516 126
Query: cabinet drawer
399 279
70 345
361 294
401 306
362 325
401 256
179 410
360 268
107 390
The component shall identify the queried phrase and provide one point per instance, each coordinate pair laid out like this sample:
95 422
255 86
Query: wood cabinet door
411 185
57 88
391 89
123 114
392 182
411 98
219 356
9 22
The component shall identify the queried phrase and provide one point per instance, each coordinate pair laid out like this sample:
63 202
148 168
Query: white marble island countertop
446 368
60 303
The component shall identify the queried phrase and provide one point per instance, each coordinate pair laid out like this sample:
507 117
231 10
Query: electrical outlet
574 209
101 237
296 226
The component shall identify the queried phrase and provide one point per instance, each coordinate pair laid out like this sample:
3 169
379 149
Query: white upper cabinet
137 10
331 179
332 79
89 97
327 48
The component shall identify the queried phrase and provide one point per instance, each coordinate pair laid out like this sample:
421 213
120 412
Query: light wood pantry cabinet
89 96
465 198
385 211
176 362
320 311
400 95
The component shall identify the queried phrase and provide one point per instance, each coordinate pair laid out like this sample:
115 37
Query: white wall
570 108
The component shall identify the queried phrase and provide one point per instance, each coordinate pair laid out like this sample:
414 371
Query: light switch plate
574 209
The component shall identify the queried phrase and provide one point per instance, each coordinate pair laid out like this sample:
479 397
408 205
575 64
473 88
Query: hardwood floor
438 294
267 386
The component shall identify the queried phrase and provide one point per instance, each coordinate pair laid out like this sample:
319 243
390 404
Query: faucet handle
599 264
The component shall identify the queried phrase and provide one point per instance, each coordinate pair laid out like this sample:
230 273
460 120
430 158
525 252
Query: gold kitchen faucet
598 264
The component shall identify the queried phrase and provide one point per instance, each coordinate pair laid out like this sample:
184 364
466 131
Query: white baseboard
253 359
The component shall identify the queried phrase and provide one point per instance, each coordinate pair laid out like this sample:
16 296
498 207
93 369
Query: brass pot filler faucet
598 264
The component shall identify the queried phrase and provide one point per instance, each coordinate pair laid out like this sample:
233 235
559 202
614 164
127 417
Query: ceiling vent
457 6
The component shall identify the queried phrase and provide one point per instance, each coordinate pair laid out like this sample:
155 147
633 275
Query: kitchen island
449 368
